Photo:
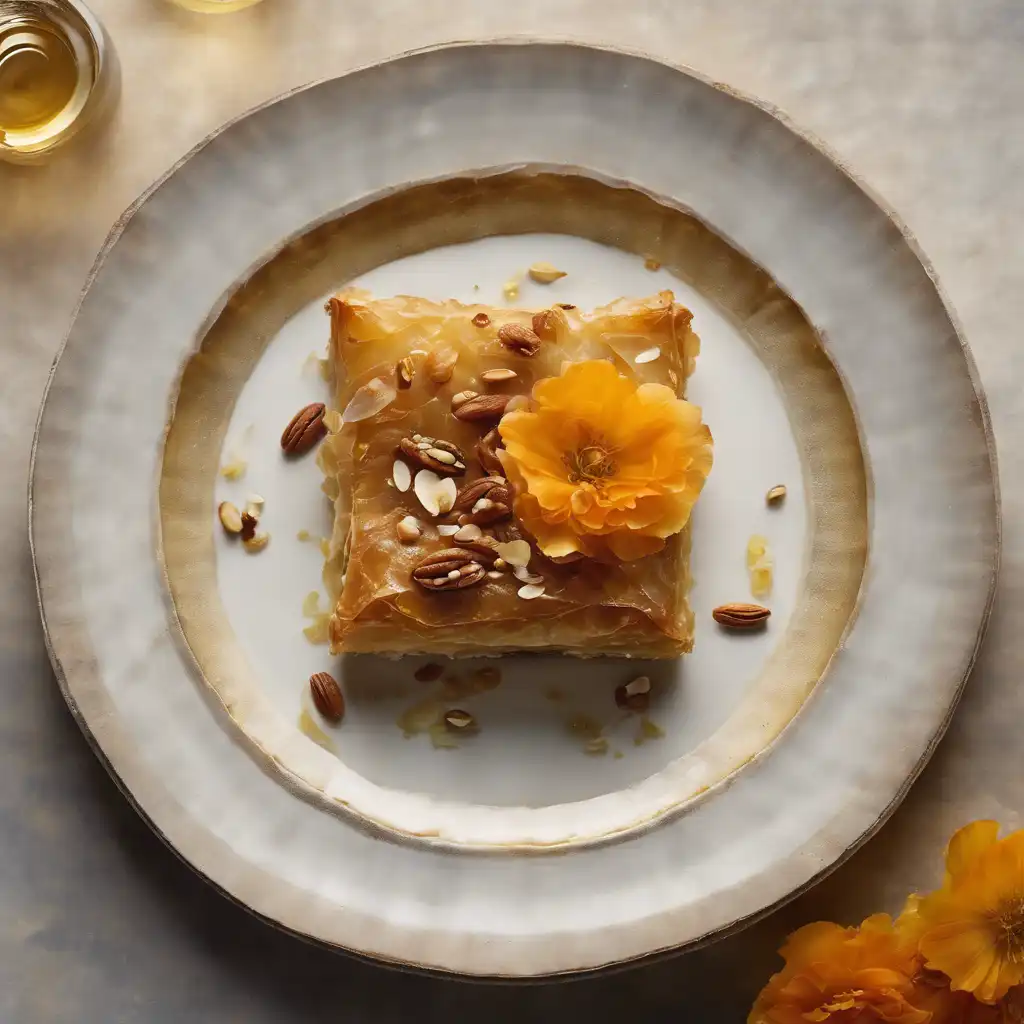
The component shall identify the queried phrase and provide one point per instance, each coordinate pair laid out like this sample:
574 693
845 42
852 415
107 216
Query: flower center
1009 921
591 462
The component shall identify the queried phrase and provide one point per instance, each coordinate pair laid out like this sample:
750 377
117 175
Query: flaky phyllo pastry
505 480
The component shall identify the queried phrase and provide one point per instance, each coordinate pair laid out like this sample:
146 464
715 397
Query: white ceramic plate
829 364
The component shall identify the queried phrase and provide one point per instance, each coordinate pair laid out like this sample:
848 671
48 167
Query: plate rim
778 115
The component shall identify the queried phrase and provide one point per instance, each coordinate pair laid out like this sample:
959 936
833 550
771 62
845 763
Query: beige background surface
922 98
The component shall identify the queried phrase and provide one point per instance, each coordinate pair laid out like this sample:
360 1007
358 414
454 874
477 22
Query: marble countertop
99 922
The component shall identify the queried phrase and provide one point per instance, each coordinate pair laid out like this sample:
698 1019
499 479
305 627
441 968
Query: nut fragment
650 263
634 695
459 720
405 370
468 533
256 543
471 407
776 494
741 616
401 475
549 323
436 494
648 355
531 591
481 320
545 273
409 530
230 517
442 457
450 569
327 696
487 453
519 339
248 527
515 552
523 574
498 376
440 364
495 488
304 429
510 289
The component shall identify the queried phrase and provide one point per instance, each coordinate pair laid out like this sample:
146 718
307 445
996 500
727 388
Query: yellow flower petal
610 467
967 844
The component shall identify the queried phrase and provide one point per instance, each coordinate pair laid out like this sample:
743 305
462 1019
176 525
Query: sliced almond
530 591
401 475
448 529
435 493
409 530
230 517
498 376
648 355
523 574
515 552
256 543
469 532
234 469
545 273
776 495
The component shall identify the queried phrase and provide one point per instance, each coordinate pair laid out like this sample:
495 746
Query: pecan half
741 616
487 453
450 569
441 457
470 407
304 429
519 339
496 488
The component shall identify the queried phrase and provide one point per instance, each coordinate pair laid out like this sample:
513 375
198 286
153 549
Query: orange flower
972 928
604 466
843 976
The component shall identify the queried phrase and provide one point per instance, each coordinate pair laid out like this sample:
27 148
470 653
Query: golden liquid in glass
38 77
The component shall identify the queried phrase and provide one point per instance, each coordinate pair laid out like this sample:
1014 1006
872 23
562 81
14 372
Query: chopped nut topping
405 370
481 320
401 475
440 364
256 543
545 273
408 530
230 517
776 495
498 376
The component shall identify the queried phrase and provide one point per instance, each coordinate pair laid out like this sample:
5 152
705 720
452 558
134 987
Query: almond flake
531 591
515 552
648 355
642 684
230 517
448 529
436 494
401 475
523 574
408 530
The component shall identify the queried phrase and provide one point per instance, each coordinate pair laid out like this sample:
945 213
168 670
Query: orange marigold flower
604 466
844 976
972 928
